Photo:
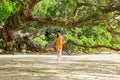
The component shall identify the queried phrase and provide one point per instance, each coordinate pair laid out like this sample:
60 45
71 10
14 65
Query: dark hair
57 33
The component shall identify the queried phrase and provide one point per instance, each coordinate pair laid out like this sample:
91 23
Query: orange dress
59 42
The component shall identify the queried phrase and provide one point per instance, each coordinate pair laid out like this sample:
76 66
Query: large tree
75 14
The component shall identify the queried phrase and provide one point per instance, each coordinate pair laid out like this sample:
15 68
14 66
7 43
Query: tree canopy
85 24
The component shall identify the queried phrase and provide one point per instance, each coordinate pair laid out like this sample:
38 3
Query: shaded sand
44 67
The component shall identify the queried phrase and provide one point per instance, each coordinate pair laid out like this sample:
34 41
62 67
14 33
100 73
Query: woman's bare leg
59 55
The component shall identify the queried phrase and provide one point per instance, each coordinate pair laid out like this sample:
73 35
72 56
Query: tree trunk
18 20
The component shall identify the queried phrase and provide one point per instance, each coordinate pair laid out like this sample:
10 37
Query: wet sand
45 67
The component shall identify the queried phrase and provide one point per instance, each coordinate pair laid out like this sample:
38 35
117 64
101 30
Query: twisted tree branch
96 46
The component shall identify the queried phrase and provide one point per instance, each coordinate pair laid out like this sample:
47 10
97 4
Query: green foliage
73 47
40 40
55 8
1 40
92 32
89 36
96 36
7 8
43 8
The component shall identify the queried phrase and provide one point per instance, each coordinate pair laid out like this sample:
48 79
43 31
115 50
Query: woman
59 45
